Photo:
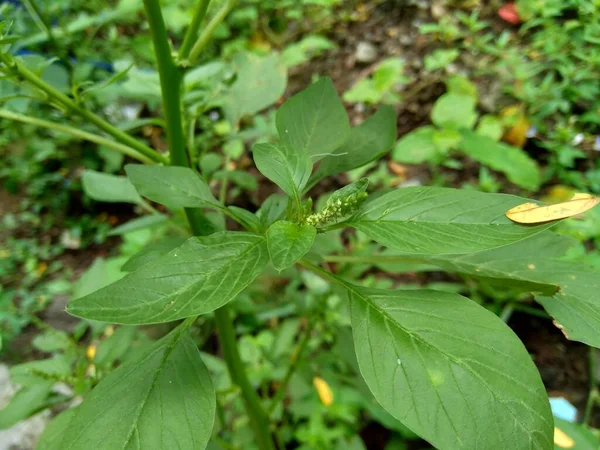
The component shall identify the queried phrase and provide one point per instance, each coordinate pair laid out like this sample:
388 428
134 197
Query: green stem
171 89
47 28
192 31
124 149
506 312
170 85
296 358
191 148
594 394
66 102
529 310
323 273
256 413
224 181
208 31
99 19
374 259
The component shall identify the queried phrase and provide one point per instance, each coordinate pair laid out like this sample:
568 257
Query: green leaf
461 85
454 111
195 278
163 398
352 190
440 59
272 209
295 54
509 265
314 120
54 432
450 370
288 168
518 167
35 372
250 220
177 187
259 83
109 188
566 289
138 224
490 126
416 147
367 142
244 180
115 346
382 86
288 242
51 341
26 402
150 252
428 220
98 275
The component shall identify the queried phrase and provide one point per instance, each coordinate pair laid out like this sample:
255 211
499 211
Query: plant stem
99 19
529 310
224 181
296 357
374 259
170 85
171 89
594 394
323 273
256 413
208 31
506 312
124 149
69 104
192 31
47 28
190 145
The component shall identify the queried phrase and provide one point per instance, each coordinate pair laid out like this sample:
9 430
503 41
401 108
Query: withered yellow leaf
324 391
532 213
562 439
516 135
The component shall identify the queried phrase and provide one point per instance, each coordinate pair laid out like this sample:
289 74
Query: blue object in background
562 409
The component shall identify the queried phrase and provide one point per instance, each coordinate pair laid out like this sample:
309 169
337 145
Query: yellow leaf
562 439
324 391
516 135
532 213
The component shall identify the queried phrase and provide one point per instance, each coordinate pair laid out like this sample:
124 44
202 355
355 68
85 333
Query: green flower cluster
337 209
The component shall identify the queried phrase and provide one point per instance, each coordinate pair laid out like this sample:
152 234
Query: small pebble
365 52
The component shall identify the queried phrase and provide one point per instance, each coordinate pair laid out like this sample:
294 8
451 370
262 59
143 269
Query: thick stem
124 149
207 33
192 31
170 85
171 89
69 104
